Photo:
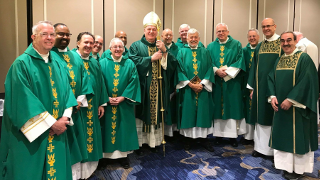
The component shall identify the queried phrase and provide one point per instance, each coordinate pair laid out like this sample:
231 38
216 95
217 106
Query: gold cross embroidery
113 132
115 89
52 171
50 148
73 83
90 122
114 117
56 103
90 139
69 66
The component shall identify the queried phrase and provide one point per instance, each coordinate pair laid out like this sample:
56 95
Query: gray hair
253 29
183 26
193 31
35 29
114 40
222 24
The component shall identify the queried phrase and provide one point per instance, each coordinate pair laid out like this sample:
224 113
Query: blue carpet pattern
226 163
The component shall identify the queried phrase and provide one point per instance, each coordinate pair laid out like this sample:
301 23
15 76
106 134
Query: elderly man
146 53
123 36
195 85
81 88
293 90
119 132
97 46
261 113
229 67
38 107
182 40
248 54
94 111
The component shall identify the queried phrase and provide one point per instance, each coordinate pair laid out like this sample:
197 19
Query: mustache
286 46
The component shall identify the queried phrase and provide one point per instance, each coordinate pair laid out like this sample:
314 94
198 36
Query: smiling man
182 40
97 46
293 91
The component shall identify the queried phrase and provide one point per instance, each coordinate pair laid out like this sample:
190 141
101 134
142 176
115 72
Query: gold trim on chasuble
221 64
153 91
195 67
114 108
50 148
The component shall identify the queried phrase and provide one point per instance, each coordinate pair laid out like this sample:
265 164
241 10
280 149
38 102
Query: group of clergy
67 109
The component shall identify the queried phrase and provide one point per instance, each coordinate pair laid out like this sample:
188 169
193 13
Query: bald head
121 35
167 36
268 27
299 35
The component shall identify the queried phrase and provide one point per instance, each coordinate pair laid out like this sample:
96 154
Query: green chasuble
263 61
108 52
294 130
196 107
90 114
80 85
119 130
227 96
148 111
180 44
248 55
33 87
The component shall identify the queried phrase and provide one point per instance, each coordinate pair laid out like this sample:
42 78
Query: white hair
115 40
253 29
35 29
193 31
222 24
184 26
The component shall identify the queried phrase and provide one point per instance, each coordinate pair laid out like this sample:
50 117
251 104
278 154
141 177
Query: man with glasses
37 110
81 88
229 67
264 58
123 36
293 92
182 40
97 46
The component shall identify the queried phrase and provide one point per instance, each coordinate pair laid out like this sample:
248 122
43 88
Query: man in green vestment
123 36
229 67
182 40
151 59
293 92
80 85
119 132
95 109
37 109
97 46
248 54
195 86
261 113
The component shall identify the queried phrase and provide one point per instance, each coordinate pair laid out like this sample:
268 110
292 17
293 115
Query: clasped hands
221 72
195 87
116 100
285 105
162 50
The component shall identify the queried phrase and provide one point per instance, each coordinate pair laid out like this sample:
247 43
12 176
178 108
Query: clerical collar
45 57
95 56
224 41
169 46
116 60
273 38
194 47
292 52
63 50
86 58
252 47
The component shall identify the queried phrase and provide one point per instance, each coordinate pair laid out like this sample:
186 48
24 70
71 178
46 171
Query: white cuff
182 84
164 62
232 71
105 104
37 125
207 85
249 87
296 104
68 113
215 69
270 98
227 78
130 99
83 100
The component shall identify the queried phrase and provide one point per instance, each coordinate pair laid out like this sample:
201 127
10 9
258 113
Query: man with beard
182 40
293 92
146 54
248 53
81 88
123 36
94 111
229 67
261 113
195 84
37 109
97 46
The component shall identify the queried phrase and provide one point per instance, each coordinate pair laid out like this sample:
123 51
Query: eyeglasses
222 31
44 34
267 26
63 34
115 47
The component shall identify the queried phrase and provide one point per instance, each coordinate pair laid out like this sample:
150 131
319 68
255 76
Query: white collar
87 58
95 56
292 52
169 46
252 47
273 38
194 47
63 50
224 41
116 60
45 57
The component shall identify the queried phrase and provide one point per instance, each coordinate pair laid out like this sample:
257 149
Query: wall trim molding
221 9
92 17
45 10
114 16
205 21
300 16
172 20
288 15
17 26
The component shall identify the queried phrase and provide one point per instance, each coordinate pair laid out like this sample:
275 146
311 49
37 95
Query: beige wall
87 15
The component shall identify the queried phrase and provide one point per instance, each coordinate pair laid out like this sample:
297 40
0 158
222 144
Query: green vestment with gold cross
294 130
227 96
119 131
33 87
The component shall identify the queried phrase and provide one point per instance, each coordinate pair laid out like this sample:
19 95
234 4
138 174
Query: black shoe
244 141
154 150
139 151
102 164
271 158
291 176
186 146
273 165
233 142
124 162
208 146
218 141
257 154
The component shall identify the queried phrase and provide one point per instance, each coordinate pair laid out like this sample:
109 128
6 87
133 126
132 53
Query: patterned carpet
226 163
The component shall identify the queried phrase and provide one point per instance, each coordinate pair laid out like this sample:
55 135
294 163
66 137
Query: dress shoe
291 176
186 146
124 162
257 154
233 142
218 141
208 146
139 151
244 141
154 150
102 164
